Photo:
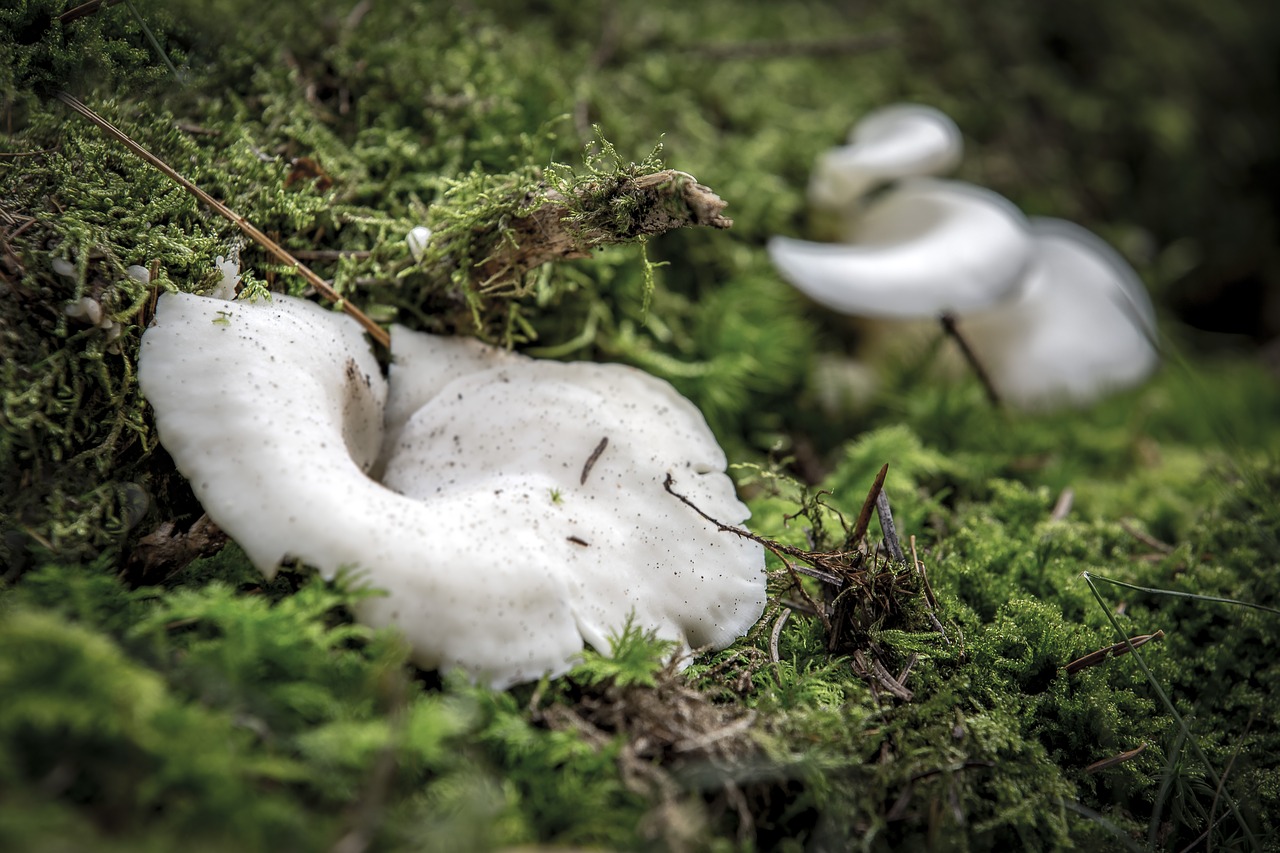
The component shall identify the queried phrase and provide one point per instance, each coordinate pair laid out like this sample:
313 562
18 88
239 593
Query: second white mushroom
1053 314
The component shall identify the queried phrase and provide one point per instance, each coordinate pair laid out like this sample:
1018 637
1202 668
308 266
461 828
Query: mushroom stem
275 249
949 326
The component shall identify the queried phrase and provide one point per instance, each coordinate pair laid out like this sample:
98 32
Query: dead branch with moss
608 211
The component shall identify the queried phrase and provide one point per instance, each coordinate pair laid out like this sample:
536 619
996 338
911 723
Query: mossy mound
158 692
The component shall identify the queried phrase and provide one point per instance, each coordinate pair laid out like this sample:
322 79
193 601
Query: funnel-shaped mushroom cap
898 141
1082 326
507 530
513 448
926 247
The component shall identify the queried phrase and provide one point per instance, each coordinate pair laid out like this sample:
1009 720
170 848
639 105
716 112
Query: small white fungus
418 238
226 288
86 309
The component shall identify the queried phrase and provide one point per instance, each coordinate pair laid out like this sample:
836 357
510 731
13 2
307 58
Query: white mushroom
418 238
1049 311
86 309
521 508
897 141
1083 324
63 267
924 248
225 289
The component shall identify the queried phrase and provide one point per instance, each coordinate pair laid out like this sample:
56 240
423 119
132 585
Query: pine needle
275 249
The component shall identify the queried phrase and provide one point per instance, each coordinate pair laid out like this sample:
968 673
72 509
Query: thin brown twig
1195 842
777 634
864 517
804 593
930 601
356 15
84 10
799 606
875 669
275 249
18 232
953 331
901 677
1115 759
778 548
1114 650
1146 538
591 460
738 726
891 540
195 129
1062 508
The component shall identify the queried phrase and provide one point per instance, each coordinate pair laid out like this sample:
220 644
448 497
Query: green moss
147 706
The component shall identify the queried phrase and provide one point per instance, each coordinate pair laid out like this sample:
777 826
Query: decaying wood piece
165 550
560 228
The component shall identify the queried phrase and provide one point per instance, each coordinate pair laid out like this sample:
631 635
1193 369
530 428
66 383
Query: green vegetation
156 691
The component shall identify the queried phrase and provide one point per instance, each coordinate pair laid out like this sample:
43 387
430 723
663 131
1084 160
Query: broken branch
273 248
563 228
1113 650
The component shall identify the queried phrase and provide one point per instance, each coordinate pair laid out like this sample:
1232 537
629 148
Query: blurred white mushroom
926 247
892 142
418 238
140 274
520 508
1048 311
1081 325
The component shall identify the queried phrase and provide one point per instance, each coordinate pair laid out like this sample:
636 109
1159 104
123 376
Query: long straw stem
275 249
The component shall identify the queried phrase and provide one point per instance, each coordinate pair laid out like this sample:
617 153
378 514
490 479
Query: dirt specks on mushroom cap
497 555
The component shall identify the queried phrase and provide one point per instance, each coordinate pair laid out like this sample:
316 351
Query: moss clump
157 689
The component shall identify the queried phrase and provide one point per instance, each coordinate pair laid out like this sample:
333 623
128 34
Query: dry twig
273 248
891 541
1062 508
664 201
1146 538
1113 650
930 602
1115 759
864 517
953 331
777 634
